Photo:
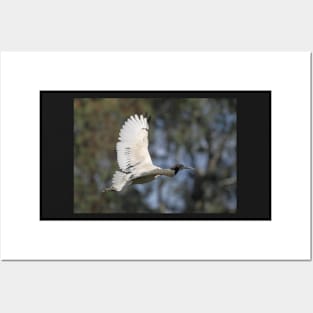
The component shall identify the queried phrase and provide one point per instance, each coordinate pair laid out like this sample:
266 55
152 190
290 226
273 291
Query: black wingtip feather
147 116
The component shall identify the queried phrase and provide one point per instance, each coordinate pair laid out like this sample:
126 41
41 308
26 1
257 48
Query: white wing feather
132 147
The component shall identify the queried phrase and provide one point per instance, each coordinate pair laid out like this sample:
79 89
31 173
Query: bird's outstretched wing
132 145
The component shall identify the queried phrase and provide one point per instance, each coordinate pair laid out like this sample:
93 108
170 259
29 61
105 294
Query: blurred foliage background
194 131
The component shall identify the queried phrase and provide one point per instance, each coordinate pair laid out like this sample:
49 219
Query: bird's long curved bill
189 168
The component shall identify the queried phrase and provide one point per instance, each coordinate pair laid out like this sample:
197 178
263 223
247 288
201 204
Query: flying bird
133 157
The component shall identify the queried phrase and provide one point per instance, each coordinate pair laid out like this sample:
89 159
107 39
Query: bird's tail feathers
109 189
119 181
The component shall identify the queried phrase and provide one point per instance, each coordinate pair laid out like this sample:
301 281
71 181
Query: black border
56 154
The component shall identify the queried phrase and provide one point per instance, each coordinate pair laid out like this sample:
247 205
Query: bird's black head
179 167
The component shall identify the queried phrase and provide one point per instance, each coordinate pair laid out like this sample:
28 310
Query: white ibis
133 156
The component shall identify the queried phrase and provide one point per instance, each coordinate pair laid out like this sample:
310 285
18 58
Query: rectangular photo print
155 155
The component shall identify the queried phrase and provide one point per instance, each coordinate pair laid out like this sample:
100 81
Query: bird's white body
133 156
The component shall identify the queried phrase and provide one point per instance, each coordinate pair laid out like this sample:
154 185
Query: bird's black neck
175 168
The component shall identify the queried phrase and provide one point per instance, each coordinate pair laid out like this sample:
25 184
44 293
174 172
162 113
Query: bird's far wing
132 147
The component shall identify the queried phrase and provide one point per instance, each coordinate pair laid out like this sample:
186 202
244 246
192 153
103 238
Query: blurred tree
194 131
